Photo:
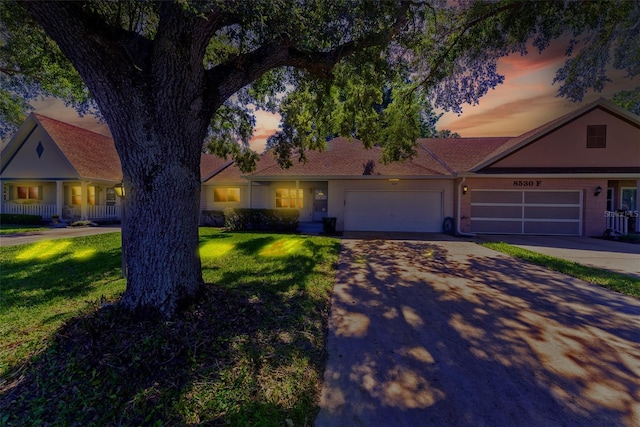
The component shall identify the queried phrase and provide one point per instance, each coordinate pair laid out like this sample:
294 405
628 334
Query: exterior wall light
465 189
598 191
119 189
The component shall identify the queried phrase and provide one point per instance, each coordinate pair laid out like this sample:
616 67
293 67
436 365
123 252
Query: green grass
624 284
248 351
14 229
46 283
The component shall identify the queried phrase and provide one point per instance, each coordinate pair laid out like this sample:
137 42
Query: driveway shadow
451 333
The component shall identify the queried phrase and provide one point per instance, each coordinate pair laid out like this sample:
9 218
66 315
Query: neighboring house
51 167
567 177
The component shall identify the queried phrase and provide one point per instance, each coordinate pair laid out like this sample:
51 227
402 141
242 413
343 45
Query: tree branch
12 72
226 79
213 21
462 32
77 31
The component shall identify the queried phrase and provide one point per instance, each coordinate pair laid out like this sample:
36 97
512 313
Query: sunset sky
527 98
524 101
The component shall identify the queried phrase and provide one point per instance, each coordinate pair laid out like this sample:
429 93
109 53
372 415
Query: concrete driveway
448 333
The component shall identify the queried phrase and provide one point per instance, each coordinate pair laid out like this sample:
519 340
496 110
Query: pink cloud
516 65
527 98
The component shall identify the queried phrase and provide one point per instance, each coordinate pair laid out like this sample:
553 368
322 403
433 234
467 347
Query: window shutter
596 136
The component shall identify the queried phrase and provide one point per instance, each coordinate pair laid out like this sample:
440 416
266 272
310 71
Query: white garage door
526 212
419 211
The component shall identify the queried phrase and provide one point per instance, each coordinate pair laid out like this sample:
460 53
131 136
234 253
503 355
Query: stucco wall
207 203
593 209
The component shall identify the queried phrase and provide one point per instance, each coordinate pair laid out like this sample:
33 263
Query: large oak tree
167 76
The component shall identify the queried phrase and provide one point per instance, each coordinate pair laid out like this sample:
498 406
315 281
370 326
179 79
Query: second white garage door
526 212
415 211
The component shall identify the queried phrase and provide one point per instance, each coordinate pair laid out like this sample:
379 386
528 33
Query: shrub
83 223
214 218
244 219
20 219
284 219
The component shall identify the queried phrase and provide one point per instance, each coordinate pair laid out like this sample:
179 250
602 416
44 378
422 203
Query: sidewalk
55 233
619 257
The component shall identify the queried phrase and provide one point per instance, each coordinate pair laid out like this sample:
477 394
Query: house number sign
529 183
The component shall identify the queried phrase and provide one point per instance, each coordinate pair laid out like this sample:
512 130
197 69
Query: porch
621 222
69 200
622 207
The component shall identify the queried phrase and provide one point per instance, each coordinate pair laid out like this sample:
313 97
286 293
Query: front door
319 204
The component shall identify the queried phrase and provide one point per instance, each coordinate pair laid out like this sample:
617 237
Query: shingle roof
211 165
94 156
91 155
231 174
461 154
344 157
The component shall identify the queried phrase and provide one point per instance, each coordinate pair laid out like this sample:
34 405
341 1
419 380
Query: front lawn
249 351
607 279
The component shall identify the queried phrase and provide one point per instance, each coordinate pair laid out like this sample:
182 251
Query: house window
286 198
628 199
76 195
91 195
596 136
111 197
226 195
28 192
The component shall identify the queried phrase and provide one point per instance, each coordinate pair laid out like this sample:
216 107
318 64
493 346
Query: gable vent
40 149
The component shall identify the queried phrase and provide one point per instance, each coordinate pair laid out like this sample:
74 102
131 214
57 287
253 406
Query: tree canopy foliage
442 53
172 77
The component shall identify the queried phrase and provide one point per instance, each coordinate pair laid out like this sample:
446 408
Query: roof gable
81 154
561 143
92 156
32 154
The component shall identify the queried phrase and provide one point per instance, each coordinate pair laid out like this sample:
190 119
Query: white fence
617 222
46 211
103 212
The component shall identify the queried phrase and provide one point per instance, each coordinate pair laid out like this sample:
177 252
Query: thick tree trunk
157 100
162 182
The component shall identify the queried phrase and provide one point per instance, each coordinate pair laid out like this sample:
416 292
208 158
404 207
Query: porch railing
617 222
103 212
45 211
